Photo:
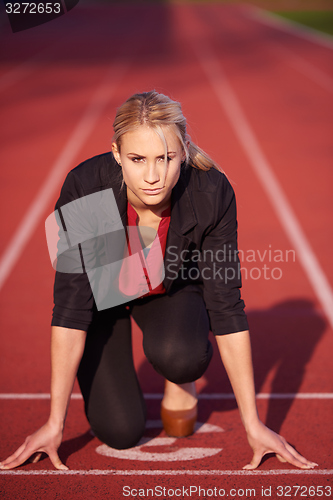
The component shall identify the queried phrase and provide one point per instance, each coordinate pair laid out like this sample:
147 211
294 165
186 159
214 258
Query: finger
298 456
14 455
281 459
23 457
289 456
257 457
54 457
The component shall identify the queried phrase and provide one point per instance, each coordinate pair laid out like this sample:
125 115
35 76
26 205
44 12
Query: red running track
258 99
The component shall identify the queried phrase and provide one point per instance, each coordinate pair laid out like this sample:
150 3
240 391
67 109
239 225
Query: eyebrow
160 156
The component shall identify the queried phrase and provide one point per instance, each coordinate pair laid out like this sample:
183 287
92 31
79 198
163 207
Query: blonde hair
156 111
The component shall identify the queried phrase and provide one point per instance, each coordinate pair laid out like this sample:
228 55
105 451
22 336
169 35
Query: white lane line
31 219
289 26
297 62
25 68
158 396
260 395
159 472
17 74
307 69
265 174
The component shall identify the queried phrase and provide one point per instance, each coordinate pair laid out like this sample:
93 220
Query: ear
115 152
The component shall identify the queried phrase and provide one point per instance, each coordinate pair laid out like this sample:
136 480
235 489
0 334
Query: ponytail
197 158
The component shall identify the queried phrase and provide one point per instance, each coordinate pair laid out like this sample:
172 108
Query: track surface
259 100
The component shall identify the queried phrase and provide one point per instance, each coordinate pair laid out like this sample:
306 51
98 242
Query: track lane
270 92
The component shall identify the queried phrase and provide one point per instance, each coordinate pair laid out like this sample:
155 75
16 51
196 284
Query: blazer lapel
113 178
183 219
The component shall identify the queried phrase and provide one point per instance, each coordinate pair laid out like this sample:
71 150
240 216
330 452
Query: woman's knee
121 434
180 363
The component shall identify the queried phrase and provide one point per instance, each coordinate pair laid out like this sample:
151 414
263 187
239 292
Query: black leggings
175 340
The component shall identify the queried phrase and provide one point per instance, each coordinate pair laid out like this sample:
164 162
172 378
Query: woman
161 182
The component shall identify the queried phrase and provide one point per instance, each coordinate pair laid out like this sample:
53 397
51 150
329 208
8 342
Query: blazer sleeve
220 266
73 298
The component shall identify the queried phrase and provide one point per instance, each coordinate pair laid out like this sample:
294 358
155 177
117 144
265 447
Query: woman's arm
66 351
235 350
67 347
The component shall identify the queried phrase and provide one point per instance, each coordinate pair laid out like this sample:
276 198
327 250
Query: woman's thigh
175 333
113 399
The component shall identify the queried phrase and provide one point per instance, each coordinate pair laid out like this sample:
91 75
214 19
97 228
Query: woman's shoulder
90 176
96 172
211 194
210 181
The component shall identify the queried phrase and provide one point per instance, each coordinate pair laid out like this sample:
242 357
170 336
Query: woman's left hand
263 440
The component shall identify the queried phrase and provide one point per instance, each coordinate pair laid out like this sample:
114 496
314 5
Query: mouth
152 192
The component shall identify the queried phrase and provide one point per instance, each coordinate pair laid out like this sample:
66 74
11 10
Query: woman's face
149 179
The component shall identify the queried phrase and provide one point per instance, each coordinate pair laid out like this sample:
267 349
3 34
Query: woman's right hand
46 440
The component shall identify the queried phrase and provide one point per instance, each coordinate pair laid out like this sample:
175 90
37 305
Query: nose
151 174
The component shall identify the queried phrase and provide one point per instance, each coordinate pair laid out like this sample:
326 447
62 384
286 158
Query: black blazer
201 243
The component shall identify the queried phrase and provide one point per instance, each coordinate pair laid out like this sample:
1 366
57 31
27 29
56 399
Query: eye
161 159
137 159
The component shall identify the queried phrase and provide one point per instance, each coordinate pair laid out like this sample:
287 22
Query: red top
149 283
